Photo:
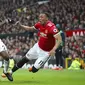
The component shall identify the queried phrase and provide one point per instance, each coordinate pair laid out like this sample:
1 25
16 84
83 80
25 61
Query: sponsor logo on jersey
42 34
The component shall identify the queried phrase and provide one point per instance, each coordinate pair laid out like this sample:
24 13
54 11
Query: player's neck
45 22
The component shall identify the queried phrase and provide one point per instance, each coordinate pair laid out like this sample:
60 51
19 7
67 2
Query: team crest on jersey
54 30
46 31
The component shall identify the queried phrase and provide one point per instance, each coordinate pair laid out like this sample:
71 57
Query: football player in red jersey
46 45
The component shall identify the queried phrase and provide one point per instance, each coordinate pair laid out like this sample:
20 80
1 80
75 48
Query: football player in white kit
4 54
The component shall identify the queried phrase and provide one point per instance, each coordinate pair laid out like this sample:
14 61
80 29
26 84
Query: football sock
6 66
34 69
20 64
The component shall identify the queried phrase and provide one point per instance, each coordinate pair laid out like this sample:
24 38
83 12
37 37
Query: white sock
10 71
6 66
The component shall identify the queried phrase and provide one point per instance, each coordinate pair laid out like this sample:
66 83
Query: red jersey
46 34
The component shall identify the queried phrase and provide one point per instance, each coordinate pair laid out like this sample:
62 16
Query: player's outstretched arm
29 28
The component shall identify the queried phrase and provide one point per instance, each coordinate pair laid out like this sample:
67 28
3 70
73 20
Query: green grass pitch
46 77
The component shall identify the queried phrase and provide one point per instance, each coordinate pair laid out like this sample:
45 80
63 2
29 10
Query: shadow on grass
21 82
27 82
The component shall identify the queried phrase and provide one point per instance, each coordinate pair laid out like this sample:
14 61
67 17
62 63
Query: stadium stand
69 14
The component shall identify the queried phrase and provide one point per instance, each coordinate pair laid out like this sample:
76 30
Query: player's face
43 18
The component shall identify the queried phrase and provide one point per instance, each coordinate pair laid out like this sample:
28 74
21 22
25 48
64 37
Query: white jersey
2 46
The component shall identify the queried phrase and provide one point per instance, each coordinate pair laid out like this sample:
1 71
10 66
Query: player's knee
34 70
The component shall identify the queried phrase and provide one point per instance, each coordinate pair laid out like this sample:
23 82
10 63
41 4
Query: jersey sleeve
36 26
53 30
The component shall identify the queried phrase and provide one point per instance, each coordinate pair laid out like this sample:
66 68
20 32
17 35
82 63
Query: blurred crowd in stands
69 14
74 47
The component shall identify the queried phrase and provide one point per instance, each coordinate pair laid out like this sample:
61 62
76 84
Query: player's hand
52 53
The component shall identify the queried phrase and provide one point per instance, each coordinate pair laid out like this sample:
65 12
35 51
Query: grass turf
46 77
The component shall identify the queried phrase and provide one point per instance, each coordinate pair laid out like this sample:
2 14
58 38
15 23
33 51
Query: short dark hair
46 13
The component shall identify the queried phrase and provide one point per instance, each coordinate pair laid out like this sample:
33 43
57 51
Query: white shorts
37 53
2 46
